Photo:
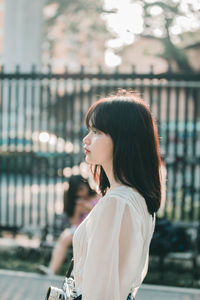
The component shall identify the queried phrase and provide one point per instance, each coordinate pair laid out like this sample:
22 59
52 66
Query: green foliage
170 10
172 52
79 27
69 7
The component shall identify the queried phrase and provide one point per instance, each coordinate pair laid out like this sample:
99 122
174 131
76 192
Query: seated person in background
79 199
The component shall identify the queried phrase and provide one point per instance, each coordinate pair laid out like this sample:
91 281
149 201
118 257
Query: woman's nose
86 139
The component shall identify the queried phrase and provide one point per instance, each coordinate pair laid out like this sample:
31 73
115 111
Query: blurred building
1 28
20 33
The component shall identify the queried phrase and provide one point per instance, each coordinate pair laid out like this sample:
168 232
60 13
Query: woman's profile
111 246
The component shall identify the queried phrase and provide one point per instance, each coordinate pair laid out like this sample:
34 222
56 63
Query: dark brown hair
136 156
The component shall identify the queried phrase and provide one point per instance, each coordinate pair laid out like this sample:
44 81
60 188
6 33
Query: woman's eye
94 131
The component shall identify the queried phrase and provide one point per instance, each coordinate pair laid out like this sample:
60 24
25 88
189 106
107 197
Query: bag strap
69 271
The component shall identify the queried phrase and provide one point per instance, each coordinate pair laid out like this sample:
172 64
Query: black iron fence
41 131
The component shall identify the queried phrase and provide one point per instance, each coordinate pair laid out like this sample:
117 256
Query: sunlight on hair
125 94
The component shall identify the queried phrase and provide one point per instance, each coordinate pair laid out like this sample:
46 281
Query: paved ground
30 286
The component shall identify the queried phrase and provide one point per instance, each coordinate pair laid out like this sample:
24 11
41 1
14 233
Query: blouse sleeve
101 274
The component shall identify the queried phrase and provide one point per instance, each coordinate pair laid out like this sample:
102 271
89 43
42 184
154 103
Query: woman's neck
109 173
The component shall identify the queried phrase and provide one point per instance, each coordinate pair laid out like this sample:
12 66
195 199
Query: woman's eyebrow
91 127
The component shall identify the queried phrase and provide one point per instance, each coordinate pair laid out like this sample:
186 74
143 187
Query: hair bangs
97 117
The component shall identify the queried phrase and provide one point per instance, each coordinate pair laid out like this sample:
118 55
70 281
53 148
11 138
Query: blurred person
79 199
111 246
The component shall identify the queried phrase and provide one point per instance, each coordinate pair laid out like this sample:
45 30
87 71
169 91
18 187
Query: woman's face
98 148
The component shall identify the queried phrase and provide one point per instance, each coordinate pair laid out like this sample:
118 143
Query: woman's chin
87 160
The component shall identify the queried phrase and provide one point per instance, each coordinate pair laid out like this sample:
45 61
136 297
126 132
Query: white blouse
111 246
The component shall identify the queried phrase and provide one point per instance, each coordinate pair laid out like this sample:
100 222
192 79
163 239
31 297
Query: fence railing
41 131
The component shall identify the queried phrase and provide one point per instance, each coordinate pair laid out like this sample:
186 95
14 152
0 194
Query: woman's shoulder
128 196
123 192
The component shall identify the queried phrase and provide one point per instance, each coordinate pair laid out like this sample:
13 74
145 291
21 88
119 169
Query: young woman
79 199
111 246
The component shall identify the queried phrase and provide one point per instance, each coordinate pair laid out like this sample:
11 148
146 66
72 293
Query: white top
111 246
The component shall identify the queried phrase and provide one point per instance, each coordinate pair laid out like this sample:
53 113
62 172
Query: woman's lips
86 151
